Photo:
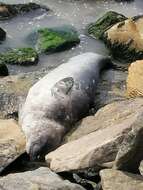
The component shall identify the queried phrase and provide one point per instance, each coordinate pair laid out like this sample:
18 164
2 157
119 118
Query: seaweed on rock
98 28
56 39
21 56
8 11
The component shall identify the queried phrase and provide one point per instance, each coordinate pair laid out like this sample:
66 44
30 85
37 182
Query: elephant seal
58 100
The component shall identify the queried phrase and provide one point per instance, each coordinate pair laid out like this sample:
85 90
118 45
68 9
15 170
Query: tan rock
124 31
118 180
93 149
12 142
125 40
111 115
135 79
101 146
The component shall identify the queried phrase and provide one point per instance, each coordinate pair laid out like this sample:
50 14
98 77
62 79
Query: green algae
56 39
21 56
98 28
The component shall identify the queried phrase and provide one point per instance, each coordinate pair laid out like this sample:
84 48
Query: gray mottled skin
58 100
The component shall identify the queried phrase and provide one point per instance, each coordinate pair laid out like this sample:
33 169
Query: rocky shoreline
103 151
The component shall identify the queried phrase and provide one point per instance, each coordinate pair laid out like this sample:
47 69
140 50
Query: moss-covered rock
2 34
21 56
10 10
3 70
56 39
125 39
98 28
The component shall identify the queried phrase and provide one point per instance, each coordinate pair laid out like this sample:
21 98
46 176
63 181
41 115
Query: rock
13 89
2 34
124 39
40 179
130 153
11 10
111 87
134 79
21 56
112 115
3 69
100 146
141 168
56 39
98 28
114 179
12 142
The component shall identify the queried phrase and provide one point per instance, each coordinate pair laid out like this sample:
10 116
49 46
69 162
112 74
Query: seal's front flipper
62 87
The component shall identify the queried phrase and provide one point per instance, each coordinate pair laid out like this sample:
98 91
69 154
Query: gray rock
12 142
13 89
130 153
40 179
114 179
111 87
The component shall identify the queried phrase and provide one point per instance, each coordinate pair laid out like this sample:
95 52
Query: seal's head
43 139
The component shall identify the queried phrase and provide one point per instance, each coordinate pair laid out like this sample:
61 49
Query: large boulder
113 114
11 10
114 179
40 179
124 39
135 79
56 39
12 142
21 56
99 146
98 28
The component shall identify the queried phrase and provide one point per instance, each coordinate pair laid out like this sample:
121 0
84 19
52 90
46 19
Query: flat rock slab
118 180
40 179
12 142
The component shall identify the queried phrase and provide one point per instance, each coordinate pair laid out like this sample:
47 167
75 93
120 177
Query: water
78 13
